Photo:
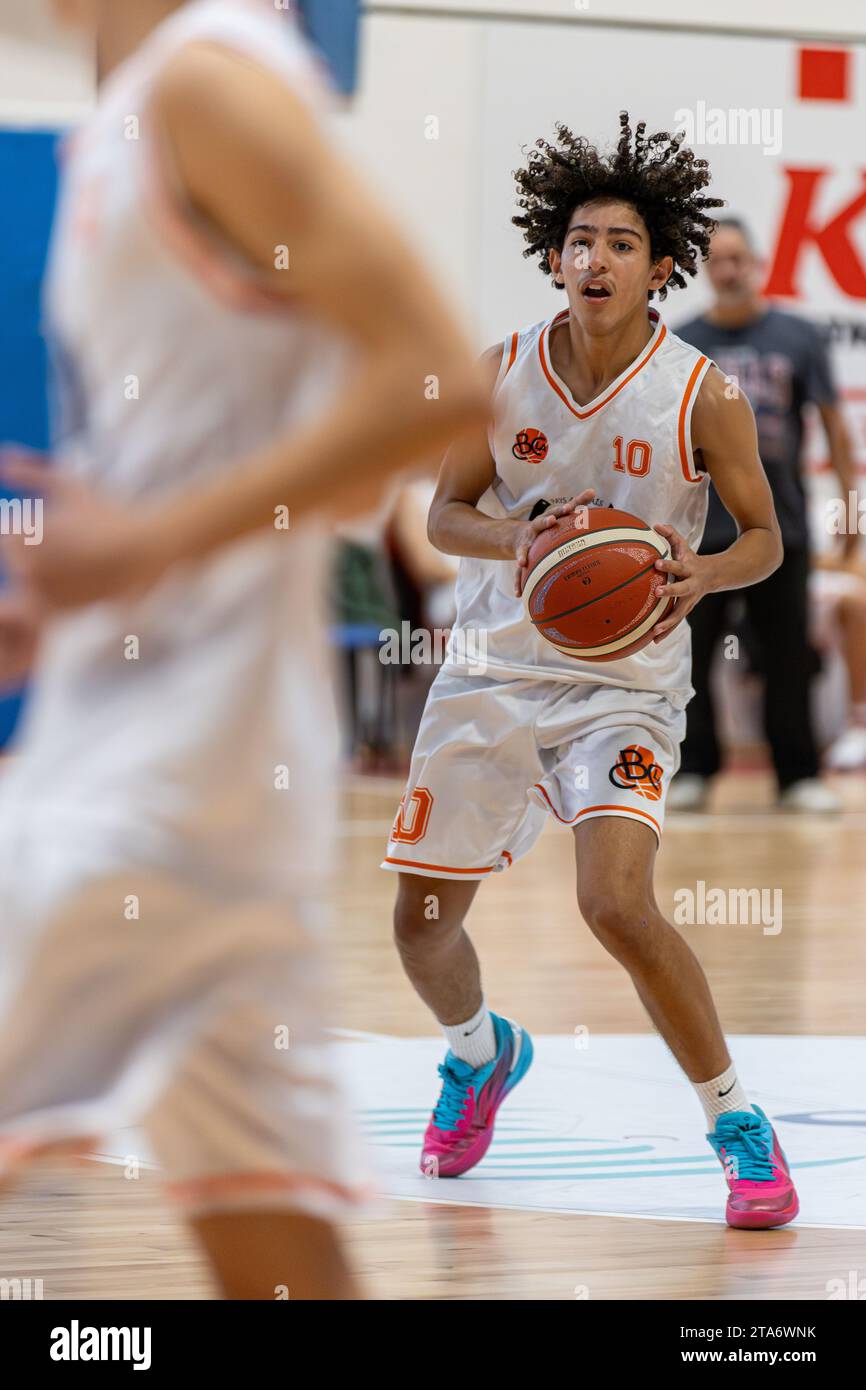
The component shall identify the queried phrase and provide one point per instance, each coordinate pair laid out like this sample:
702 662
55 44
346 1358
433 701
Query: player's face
732 266
606 265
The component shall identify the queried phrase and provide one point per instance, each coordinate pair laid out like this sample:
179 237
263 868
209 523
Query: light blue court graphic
612 1126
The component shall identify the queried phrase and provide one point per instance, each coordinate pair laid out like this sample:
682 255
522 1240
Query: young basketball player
539 732
243 340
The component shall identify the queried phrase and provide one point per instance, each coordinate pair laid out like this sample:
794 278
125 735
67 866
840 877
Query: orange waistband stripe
439 868
590 810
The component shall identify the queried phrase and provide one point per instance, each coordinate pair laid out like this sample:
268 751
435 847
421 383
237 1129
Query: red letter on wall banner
799 229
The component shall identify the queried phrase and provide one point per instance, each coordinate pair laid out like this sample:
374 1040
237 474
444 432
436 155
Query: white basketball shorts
495 756
141 995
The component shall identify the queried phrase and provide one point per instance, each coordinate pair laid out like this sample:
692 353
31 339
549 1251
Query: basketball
589 589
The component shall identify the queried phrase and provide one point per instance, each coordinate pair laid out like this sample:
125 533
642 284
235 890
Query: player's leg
615 859
434 947
487 1054
274 1254
464 816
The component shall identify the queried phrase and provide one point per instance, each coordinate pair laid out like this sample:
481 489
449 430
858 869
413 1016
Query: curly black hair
656 175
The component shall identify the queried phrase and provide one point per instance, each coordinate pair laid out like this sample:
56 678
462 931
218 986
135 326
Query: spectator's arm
841 460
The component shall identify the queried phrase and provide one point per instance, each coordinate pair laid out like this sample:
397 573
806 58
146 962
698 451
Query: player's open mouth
595 292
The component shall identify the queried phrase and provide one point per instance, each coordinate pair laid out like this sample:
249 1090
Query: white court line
356 1036
607 1215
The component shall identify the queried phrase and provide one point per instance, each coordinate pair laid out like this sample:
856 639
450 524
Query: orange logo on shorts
637 771
413 815
530 446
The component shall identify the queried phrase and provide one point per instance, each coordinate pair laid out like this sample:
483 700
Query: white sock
473 1041
720 1095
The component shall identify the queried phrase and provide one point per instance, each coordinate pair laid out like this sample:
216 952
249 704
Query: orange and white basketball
590 590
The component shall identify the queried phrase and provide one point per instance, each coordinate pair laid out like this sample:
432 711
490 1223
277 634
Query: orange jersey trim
512 354
587 810
689 473
548 371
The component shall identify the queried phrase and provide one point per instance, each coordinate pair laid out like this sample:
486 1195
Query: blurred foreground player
243 341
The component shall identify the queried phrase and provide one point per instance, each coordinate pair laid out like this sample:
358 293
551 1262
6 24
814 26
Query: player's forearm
458 528
381 424
753 556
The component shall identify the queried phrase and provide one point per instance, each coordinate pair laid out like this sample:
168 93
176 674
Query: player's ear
554 260
661 272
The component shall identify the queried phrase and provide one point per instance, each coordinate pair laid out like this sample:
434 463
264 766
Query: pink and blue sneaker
461 1127
760 1190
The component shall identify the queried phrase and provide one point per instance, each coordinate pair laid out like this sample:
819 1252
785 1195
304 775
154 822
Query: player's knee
622 922
421 919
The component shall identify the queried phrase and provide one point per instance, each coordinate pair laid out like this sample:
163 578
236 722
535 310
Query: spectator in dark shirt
780 362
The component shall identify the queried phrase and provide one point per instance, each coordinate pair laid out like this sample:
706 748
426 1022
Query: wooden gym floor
90 1233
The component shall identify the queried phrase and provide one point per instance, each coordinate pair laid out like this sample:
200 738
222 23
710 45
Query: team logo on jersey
636 770
530 446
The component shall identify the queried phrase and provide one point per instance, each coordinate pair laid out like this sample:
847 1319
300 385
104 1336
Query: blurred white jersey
632 444
163 828
172 364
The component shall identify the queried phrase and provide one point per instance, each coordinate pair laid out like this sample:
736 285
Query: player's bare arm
456 526
251 161
725 442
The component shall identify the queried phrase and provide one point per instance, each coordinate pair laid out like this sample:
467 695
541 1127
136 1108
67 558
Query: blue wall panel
334 27
28 186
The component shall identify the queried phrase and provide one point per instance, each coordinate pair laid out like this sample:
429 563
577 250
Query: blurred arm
251 159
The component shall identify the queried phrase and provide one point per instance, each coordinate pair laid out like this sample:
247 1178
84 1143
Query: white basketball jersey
200 716
632 445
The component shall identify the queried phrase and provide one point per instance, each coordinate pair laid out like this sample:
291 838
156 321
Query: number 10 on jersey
634 459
